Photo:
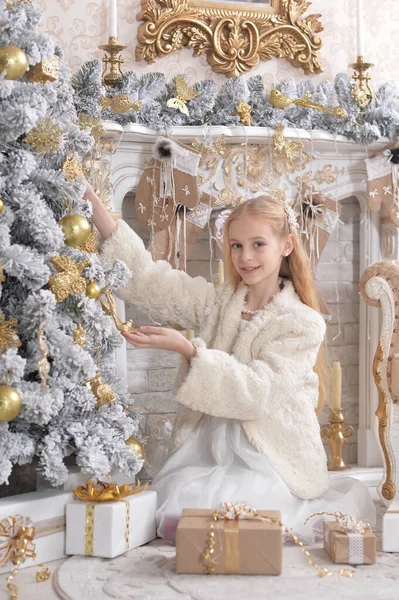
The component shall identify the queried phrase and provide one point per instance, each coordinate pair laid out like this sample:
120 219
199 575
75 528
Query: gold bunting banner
106 492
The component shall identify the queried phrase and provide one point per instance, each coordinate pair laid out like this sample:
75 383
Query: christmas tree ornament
10 403
244 110
46 137
72 168
1 205
95 125
120 104
8 335
136 446
109 308
102 391
45 70
93 290
13 61
283 146
76 229
43 365
69 278
280 100
2 276
80 336
91 245
184 94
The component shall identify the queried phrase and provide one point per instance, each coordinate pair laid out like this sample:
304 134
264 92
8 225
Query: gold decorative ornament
45 70
102 391
46 137
43 575
209 148
13 61
120 104
80 336
244 110
336 434
109 308
90 246
72 168
76 229
234 38
17 534
10 403
106 492
68 280
113 60
184 94
1 205
280 100
136 446
283 146
8 335
93 290
86 121
362 93
43 364
2 276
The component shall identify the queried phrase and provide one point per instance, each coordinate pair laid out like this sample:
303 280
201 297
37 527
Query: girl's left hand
161 338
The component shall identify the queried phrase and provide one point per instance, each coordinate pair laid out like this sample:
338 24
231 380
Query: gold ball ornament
14 61
10 403
93 290
136 446
1 206
76 230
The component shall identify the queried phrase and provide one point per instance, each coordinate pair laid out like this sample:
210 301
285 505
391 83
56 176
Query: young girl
250 382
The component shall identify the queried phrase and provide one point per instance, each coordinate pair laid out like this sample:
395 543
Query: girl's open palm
160 338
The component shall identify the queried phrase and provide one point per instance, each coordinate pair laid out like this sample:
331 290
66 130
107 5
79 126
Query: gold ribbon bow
16 539
106 492
346 523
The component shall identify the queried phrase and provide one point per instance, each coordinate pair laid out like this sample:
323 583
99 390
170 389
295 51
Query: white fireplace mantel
134 147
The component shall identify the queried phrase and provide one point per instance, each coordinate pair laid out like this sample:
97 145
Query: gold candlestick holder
336 434
362 93
112 71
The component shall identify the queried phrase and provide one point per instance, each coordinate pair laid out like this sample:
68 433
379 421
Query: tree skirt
148 573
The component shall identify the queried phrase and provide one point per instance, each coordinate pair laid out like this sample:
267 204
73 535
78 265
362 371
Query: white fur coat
262 376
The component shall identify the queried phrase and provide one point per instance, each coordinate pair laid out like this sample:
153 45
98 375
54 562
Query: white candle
360 32
336 385
112 29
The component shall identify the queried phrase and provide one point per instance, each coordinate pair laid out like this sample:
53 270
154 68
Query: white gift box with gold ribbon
46 512
108 529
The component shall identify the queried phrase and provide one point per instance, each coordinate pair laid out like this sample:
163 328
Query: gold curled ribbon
345 522
106 492
16 539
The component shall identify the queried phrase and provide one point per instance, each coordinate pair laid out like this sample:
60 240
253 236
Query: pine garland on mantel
212 107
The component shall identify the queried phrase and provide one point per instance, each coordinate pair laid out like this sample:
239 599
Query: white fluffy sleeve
218 384
166 293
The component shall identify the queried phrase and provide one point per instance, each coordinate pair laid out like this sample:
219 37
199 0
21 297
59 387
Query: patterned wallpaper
81 25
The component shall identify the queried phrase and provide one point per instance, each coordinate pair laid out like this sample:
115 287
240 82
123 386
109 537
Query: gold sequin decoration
72 168
89 530
46 137
127 530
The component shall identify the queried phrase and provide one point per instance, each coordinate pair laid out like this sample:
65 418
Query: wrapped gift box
390 528
47 511
347 547
108 529
243 546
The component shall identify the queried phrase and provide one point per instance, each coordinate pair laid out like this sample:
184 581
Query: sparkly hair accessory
291 218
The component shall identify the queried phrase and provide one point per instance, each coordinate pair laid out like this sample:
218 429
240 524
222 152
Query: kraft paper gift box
349 548
243 546
108 529
47 511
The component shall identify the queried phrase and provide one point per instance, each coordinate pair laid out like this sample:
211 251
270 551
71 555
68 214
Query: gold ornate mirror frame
235 37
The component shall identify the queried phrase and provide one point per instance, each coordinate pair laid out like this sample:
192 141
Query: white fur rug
148 573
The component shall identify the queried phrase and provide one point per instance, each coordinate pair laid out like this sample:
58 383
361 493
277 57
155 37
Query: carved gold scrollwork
234 39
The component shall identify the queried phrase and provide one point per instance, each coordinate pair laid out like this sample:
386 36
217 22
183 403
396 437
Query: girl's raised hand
161 338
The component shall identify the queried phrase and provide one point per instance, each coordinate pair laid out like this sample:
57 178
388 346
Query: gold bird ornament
120 104
280 100
184 94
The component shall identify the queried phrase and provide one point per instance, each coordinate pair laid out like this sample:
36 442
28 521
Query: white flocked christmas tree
51 403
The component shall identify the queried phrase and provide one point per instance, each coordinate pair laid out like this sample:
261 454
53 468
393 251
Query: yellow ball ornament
1 206
76 230
10 403
14 61
93 290
136 446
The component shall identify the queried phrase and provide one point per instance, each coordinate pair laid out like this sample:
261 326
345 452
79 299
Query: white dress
217 463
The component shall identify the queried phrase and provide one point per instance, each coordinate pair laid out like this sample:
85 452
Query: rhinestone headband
291 218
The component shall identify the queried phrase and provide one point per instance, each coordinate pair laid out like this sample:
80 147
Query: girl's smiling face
256 250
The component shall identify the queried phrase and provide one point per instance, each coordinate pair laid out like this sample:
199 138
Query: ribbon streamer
106 492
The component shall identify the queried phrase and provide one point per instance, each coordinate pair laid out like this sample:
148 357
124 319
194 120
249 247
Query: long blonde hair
294 267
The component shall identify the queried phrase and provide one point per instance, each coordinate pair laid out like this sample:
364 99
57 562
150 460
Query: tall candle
336 385
360 31
112 29
221 272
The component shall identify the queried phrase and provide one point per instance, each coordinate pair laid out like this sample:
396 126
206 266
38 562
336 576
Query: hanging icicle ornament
184 94
43 365
2 276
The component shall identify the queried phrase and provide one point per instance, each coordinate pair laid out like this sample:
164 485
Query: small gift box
109 520
351 546
228 542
